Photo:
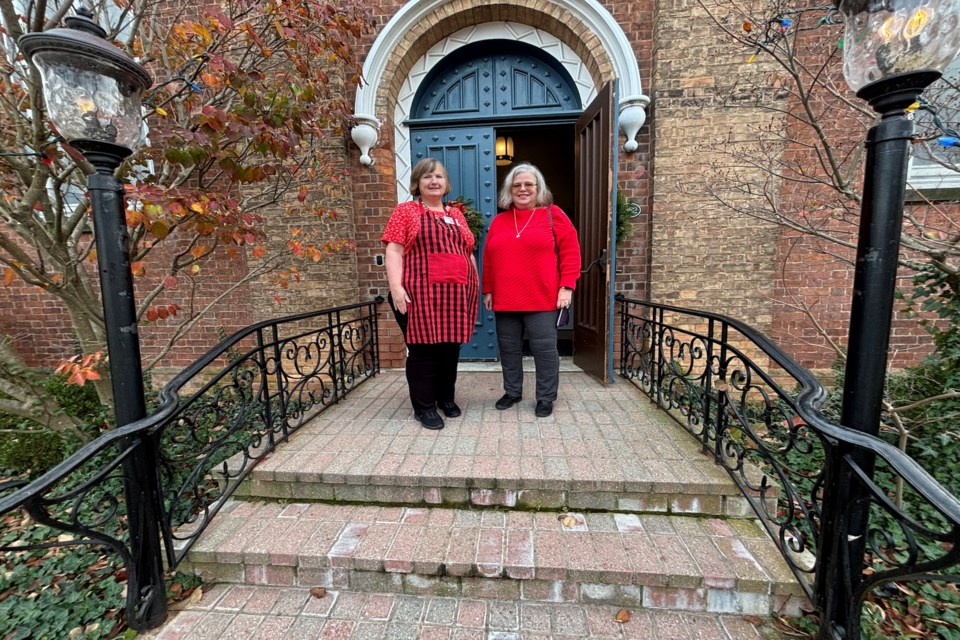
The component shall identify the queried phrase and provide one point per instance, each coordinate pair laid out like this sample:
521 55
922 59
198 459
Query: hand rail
704 369
214 422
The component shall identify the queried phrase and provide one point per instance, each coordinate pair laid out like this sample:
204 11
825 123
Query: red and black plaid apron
442 282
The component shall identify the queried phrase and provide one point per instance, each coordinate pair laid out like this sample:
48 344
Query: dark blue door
467 153
474 89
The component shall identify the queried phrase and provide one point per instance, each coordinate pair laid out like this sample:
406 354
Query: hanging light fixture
504 151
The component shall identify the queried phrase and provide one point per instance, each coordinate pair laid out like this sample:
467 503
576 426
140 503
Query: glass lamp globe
91 88
884 38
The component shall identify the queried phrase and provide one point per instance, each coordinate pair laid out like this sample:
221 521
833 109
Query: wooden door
468 155
596 166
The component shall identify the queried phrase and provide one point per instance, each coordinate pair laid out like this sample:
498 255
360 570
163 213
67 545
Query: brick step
242 611
711 497
696 486
636 560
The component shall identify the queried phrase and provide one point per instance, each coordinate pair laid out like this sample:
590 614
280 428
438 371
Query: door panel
468 155
595 197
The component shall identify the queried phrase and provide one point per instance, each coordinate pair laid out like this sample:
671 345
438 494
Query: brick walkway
237 612
605 449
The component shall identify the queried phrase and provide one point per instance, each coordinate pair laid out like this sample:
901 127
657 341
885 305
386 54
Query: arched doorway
587 41
489 89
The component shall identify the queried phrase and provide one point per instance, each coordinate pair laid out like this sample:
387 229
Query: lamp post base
892 95
105 156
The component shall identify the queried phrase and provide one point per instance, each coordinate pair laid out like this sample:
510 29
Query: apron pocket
447 268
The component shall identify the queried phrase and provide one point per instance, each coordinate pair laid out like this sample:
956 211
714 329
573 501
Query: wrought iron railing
814 485
214 422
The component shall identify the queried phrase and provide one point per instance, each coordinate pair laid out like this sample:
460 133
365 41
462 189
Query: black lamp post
893 50
92 91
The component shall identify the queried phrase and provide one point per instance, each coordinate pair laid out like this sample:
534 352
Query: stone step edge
678 503
635 596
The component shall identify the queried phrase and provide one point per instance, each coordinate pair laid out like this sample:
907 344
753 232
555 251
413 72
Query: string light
778 26
951 137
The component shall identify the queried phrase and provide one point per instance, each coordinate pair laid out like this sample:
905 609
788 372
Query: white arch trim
544 41
632 103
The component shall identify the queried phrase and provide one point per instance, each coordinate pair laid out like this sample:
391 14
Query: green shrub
30 452
76 401
29 448
625 213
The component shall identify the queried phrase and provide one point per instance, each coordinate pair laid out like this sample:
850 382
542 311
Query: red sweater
521 272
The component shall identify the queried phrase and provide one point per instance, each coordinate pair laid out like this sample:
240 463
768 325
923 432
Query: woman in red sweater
531 263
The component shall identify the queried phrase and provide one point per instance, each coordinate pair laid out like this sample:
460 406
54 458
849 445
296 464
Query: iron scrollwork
727 385
213 424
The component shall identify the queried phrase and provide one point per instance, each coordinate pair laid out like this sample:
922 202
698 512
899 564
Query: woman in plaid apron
434 290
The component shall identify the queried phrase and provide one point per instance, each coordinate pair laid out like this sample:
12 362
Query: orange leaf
152 314
623 616
198 251
138 269
8 276
318 592
568 520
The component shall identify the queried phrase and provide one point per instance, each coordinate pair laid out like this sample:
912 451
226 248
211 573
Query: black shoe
507 401
430 419
450 409
544 408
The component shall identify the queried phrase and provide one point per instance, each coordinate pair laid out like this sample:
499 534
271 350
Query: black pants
431 369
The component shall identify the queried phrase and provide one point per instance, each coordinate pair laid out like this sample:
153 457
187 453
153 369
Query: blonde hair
424 167
544 195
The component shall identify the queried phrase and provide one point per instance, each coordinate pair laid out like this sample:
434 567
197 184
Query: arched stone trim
601 46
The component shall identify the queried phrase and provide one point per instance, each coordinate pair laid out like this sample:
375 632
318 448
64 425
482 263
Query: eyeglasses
524 185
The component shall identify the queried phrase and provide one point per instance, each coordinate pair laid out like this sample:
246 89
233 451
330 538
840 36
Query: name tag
448 220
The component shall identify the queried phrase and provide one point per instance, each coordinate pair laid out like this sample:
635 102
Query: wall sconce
504 151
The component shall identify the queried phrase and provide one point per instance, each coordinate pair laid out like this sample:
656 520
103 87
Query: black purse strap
553 232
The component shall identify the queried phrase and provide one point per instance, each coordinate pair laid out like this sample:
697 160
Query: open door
596 167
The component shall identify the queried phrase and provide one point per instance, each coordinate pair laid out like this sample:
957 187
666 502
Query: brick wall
702 256
688 249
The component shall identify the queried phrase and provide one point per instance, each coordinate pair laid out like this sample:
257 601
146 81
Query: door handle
600 263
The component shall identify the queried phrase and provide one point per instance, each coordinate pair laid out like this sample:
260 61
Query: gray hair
544 195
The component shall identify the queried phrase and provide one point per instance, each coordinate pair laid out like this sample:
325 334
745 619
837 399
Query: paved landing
606 447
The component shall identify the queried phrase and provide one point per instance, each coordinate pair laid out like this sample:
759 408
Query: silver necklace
516 227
